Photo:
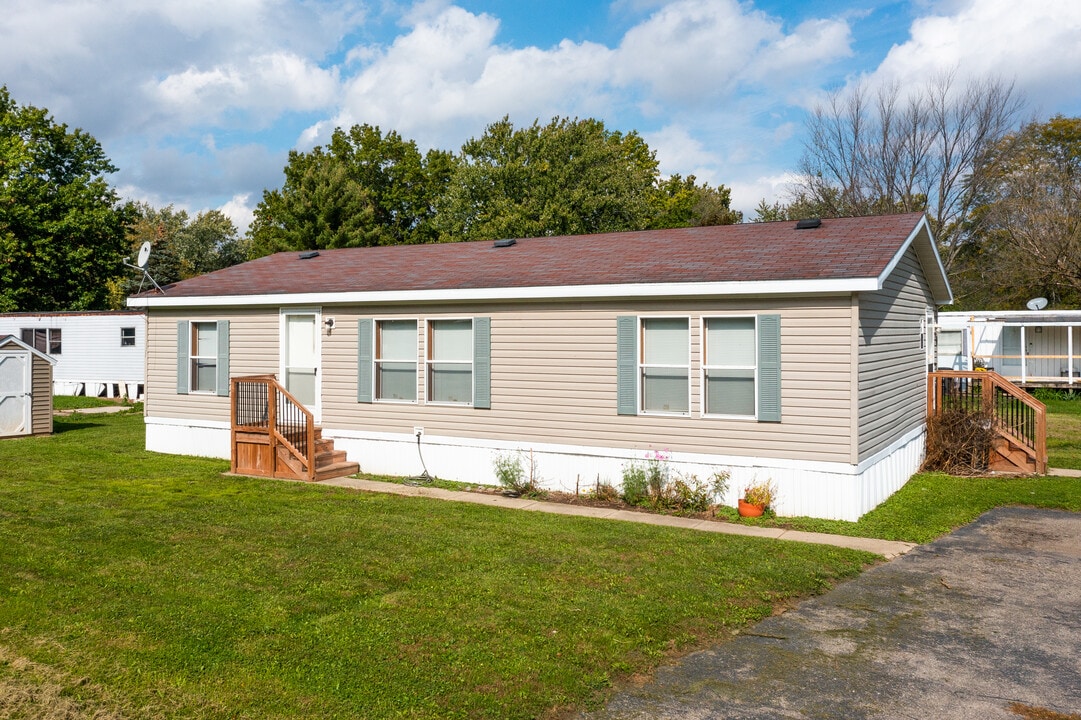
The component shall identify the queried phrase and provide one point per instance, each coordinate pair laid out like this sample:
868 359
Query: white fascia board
558 292
922 225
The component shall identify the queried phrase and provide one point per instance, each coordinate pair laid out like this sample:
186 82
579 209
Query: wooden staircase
1018 419
274 435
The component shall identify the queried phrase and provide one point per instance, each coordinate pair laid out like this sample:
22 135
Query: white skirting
830 490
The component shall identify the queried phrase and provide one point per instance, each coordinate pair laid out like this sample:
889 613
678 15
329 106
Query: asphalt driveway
984 623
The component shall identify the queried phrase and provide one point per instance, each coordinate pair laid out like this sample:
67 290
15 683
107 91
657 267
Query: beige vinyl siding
892 365
253 350
41 410
553 377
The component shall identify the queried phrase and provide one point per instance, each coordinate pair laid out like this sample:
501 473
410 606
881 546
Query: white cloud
697 51
269 84
447 78
1034 43
240 211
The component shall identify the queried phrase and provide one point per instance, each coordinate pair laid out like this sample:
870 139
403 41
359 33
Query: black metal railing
260 403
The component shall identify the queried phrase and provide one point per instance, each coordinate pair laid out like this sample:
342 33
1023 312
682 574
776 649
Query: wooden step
334 470
1008 457
329 457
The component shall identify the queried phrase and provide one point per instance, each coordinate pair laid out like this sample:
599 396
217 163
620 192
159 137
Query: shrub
652 482
512 476
635 483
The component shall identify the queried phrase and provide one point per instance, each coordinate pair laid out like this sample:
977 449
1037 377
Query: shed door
15 400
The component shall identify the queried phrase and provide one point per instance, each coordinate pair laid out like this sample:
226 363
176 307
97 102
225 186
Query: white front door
15 400
300 356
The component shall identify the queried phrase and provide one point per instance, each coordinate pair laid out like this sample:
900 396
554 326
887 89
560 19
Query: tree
1030 217
179 249
568 177
682 202
364 188
208 243
890 152
62 226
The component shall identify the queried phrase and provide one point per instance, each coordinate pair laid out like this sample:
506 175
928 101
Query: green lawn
1063 429
140 585
932 504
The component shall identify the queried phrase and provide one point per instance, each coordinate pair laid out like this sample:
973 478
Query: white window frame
642 366
193 374
376 359
705 367
428 361
51 333
124 336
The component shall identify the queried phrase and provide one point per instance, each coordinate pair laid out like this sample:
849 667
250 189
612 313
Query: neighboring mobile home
1029 347
100 354
762 349
26 399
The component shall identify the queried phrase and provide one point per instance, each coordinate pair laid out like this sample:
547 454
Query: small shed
26 389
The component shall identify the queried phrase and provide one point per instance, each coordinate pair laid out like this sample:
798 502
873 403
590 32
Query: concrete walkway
93 410
887 548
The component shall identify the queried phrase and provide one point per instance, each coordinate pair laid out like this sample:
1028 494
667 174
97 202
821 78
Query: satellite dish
144 255
1036 303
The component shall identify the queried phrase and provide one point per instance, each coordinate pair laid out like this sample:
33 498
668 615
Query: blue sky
198 102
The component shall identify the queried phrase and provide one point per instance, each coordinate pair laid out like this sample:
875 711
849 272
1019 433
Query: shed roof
11 340
728 259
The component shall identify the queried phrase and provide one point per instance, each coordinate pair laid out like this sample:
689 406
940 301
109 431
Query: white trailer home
101 354
1029 347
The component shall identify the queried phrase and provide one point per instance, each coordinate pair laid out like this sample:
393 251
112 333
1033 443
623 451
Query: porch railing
1015 415
261 406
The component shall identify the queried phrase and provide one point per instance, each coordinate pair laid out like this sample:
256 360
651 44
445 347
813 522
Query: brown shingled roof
847 248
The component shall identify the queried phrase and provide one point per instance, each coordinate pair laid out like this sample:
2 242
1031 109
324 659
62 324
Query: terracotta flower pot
747 509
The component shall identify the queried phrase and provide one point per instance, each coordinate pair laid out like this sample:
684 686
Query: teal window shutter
482 363
365 350
769 368
223 358
183 358
627 365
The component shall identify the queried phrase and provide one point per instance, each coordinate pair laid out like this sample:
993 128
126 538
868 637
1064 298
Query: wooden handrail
279 433
1033 438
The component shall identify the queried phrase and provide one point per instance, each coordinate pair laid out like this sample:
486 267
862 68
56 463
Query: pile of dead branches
959 442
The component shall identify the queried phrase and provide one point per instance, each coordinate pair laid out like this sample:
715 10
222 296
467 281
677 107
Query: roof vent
808 223
309 255
505 243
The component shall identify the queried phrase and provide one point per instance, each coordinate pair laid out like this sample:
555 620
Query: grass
134 584
1063 429
933 504
79 402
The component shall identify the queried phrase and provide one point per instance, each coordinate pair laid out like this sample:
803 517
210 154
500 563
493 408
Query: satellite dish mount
1037 303
143 259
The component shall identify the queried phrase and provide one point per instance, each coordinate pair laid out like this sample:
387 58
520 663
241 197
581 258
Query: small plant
603 491
657 477
651 482
635 483
689 494
760 493
511 473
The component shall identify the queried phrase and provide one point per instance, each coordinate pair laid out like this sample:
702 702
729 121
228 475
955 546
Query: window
396 360
450 361
664 359
730 366
127 337
204 357
46 340
741 366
